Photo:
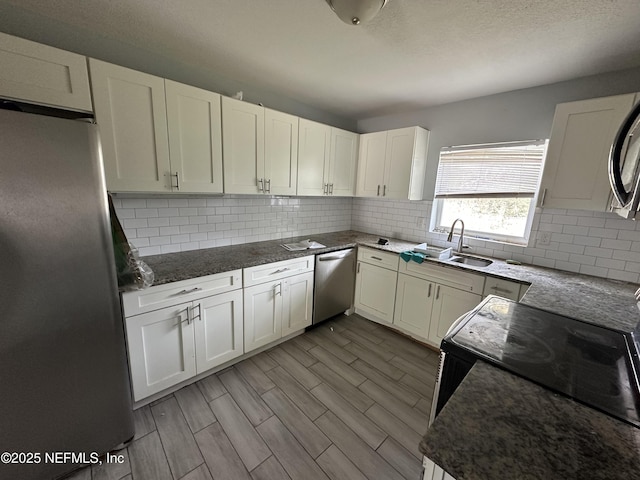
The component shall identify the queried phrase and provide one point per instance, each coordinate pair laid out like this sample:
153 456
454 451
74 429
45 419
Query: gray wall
518 115
32 26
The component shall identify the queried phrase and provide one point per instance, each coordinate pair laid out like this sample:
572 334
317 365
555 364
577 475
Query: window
491 187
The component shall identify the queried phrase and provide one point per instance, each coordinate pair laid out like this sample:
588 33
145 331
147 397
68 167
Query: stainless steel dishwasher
334 283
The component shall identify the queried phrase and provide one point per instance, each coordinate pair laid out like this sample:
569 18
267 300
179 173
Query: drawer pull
501 290
376 258
184 292
280 270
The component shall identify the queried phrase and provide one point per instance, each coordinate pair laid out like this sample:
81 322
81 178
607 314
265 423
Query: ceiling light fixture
355 12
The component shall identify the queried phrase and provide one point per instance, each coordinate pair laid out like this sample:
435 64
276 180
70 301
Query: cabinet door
576 171
297 297
195 138
398 163
375 291
262 314
414 300
242 146
218 322
371 164
130 111
161 349
448 305
280 153
342 163
314 148
43 74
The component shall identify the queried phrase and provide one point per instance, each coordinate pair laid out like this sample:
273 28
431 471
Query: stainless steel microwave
624 167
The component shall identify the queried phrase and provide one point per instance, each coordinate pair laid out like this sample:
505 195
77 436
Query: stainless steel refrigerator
64 382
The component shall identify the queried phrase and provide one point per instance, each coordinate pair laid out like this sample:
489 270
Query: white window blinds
497 170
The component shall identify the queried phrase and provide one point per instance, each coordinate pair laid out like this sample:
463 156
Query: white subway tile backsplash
594 243
616 244
609 263
598 252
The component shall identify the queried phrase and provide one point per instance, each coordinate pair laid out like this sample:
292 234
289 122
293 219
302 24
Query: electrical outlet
421 222
544 238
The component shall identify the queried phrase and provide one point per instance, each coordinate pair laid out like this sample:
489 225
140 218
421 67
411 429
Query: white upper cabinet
280 153
373 148
42 74
343 161
314 149
260 148
157 135
327 159
392 163
242 146
130 111
575 172
195 138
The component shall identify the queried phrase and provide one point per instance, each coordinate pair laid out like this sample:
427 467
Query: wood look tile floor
347 400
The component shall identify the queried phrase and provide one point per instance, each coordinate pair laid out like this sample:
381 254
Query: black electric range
594 365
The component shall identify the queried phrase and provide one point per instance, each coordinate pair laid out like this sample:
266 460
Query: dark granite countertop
605 302
498 425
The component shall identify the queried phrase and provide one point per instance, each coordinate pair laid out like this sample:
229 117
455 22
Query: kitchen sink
473 261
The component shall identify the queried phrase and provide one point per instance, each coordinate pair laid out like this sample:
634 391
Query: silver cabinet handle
325 187
438 292
177 185
184 292
429 293
260 185
267 185
358 271
188 319
376 258
384 191
331 189
199 315
279 291
280 270
378 194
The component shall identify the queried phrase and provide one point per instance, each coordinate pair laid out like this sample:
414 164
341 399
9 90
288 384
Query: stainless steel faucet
450 237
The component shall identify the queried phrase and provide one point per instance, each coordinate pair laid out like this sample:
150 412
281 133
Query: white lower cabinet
218 323
414 298
376 277
263 314
161 349
279 304
449 304
427 309
429 298
177 342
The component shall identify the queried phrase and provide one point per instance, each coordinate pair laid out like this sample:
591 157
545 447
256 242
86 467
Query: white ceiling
415 53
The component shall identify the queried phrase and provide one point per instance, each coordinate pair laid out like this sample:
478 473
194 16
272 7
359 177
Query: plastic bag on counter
132 273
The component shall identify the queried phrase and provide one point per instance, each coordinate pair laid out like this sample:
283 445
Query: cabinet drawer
277 270
378 257
451 277
502 288
154 298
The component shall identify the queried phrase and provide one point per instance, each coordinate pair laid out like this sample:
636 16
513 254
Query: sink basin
473 261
